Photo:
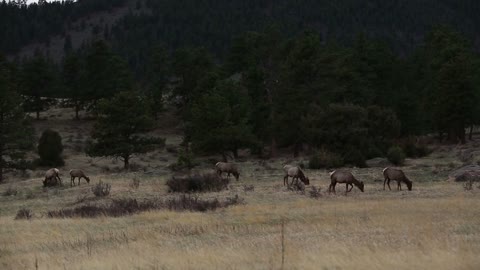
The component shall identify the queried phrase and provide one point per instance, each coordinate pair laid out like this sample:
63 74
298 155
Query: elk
228 168
296 173
339 176
80 174
397 175
51 177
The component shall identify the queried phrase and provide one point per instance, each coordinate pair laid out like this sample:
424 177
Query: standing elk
296 173
397 175
344 177
51 177
80 174
229 168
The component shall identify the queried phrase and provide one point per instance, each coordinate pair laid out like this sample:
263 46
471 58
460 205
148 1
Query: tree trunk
77 108
273 148
126 164
38 114
235 153
470 133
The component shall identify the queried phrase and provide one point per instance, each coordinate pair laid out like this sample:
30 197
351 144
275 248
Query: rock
378 162
466 173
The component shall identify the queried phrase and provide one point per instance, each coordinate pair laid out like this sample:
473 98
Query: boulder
466 173
378 162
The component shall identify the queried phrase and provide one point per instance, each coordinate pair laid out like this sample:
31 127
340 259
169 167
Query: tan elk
77 173
229 168
344 177
397 175
51 177
296 173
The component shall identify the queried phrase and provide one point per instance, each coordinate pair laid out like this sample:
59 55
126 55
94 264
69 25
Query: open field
435 226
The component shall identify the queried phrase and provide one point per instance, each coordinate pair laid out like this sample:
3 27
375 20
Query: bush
101 189
325 159
198 183
396 155
50 149
24 213
413 149
315 192
122 207
356 158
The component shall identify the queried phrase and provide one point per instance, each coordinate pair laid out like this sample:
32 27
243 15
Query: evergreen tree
73 76
106 73
15 132
220 121
158 75
121 126
50 149
37 83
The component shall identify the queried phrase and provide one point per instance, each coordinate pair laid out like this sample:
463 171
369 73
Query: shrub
198 183
315 192
50 149
122 207
101 189
10 191
24 213
325 159
396 155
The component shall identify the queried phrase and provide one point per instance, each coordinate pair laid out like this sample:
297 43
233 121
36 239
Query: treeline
210 23
348 103
24 24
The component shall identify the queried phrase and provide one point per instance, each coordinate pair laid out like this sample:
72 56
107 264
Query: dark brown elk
229 168
51 177
80 174
397 175
344 177
296 173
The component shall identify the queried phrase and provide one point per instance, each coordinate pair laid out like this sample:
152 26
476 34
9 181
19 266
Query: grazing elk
340 176
296 173
397 175
228 168
51 177
80 174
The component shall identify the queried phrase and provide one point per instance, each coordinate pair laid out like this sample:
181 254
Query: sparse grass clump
101 189
135 183
315 192
197 183
24 213
10 191
325 159
396 155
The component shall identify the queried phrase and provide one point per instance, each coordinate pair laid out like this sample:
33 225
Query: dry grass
435 226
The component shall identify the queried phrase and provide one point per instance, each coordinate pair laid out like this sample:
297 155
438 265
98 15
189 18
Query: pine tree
15 132
121 126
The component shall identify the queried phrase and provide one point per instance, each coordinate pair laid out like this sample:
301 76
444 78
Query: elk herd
341 176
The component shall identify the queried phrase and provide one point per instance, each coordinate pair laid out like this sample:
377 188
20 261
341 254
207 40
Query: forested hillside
329 80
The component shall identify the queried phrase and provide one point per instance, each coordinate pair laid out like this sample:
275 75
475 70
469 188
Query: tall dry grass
372 230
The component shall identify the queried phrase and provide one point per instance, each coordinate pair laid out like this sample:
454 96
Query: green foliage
121 127
50 149
355 157
325 159
38 82
106 73
15 132
220 120
396 155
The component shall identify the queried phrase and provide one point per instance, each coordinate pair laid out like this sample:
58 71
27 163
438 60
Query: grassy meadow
434 226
